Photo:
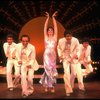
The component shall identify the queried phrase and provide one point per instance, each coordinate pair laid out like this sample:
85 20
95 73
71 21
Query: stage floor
92 92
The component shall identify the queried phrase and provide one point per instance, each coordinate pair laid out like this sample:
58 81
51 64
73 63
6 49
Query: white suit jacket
74 48
12 49
31 55
87 54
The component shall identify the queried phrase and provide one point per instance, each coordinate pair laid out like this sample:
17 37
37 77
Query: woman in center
48 79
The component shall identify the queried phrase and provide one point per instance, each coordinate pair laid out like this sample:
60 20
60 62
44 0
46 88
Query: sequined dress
48 78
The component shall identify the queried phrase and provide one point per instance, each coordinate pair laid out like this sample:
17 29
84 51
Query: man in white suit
68 49
85 59
26 55
85 56
10 53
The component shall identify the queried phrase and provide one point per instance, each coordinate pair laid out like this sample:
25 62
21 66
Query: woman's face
50 31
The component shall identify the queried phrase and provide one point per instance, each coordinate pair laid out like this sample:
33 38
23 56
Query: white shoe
67 94
46 89
24 95
52 90
83 90
30 92
10 89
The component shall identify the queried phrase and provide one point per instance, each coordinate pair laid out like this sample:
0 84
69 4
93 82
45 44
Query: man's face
68 37
85 44
25 41
9 40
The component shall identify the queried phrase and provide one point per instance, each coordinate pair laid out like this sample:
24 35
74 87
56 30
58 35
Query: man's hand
61 58
47 14
13 57
75 57
20 62
28 66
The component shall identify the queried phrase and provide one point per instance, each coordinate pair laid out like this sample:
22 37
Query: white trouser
10 64
67 76
27 76
79 76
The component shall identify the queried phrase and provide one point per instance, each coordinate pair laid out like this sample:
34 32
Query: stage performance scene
49 49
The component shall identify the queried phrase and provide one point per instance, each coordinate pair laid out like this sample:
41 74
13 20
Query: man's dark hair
85 39
67 32
9 36
25 35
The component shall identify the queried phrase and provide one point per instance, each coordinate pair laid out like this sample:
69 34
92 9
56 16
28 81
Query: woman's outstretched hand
47 14
55 14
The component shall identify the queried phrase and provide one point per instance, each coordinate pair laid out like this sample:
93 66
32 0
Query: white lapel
28 51
72 47
12 48
63 44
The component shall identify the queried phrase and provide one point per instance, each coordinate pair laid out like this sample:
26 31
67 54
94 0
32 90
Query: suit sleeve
33 62
88 53
17 52
4 47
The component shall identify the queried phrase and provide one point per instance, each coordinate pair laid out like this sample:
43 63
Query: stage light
93 62
95 68
1 62
98 62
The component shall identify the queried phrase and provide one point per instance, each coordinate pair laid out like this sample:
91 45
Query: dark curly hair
25 35
67 32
